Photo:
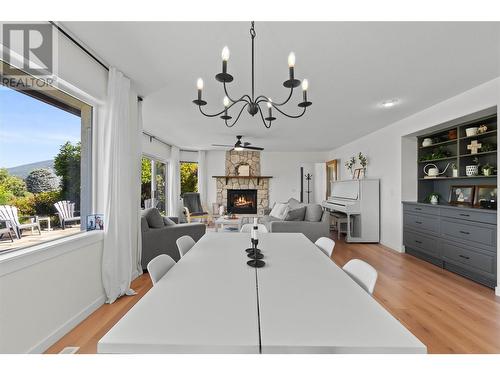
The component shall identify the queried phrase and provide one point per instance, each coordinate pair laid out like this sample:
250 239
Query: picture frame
462 194
357 174
95 222
486 196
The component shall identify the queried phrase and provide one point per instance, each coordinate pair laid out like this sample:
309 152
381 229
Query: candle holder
256 256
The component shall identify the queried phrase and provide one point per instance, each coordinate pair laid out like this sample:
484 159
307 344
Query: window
45 158
154 184
189 177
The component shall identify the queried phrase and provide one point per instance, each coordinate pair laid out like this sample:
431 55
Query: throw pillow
296 214
280 210
294 203
167 221
314 212
153 217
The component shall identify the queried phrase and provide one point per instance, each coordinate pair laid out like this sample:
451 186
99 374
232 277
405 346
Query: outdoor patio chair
9 216
193 208
66 212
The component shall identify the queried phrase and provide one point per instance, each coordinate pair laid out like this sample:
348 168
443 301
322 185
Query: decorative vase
471 170
455 172
487 171
426 142
469 132
452 134
434 199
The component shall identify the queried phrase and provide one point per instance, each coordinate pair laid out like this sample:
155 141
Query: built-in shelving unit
449 147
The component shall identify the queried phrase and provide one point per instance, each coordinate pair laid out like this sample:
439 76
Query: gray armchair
160 233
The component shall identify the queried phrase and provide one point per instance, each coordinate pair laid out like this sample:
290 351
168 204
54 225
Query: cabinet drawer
479 233
428 245
421 209
468 257
484 216
424 223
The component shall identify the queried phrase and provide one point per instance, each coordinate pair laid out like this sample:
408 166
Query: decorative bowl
469 132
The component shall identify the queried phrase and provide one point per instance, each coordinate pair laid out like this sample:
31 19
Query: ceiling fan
241 146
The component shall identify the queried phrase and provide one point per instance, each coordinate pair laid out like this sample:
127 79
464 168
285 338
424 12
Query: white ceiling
351 67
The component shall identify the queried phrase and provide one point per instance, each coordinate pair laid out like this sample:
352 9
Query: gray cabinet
462 240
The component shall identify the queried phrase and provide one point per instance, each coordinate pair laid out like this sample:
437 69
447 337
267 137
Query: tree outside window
189 177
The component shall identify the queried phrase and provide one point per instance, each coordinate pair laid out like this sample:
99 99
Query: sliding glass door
154 184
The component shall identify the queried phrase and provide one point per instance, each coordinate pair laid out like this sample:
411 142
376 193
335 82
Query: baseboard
50 340
497 290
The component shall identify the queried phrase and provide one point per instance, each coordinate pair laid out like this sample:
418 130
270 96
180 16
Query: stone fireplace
242 201
253 187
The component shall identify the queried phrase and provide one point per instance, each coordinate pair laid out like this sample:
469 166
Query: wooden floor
447 312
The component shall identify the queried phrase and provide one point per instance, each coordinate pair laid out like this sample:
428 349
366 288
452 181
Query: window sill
26 257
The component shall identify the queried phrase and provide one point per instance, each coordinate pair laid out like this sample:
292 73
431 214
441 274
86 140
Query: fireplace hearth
242 201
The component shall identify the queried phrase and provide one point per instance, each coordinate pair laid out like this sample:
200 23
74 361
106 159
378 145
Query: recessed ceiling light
389 103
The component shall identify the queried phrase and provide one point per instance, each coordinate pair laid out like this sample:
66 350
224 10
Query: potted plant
472 169
433 198
363 160
350 164
487 169
454 170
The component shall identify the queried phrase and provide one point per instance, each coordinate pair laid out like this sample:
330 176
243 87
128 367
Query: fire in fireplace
242 201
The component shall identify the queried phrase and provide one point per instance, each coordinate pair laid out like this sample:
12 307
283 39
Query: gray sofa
309 219
160 233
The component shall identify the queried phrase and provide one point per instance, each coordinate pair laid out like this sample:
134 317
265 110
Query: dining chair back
362 273
184 244
326 245
159 266
247 228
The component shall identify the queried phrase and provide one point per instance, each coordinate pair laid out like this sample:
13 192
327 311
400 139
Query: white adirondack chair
66 212
9 215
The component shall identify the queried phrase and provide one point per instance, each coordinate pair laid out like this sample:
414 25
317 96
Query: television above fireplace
242 201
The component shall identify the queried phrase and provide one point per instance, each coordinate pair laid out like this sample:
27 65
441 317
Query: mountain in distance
24 170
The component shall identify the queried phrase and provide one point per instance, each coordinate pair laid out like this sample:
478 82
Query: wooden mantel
245 177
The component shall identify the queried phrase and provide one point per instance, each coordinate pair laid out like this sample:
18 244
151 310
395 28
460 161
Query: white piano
359 200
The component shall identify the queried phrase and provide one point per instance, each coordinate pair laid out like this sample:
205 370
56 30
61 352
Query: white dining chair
326 245
362 273
247 228
184 244
159 266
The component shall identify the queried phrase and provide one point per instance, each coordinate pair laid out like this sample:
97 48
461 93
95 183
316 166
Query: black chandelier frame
252 103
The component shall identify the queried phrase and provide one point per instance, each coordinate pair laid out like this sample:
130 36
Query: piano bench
340 219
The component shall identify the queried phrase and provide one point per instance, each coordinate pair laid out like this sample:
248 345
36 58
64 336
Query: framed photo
463 194
358 173
486 196
95 222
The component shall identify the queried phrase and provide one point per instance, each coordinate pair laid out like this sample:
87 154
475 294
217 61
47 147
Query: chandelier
250 102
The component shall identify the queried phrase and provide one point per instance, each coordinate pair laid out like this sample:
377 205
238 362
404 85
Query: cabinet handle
467 215
418 209
463 256
417 241
418 222
464 232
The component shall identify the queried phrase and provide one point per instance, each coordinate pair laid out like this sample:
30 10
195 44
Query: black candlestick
256 256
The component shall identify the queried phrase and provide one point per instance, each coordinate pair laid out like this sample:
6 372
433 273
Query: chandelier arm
224 110
263 120
263 98
237 117
291 116
240 99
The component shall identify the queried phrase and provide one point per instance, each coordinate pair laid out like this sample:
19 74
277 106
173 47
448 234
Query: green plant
12 184
44 202
363 160
434 194
25 205
487 169
440 153
350 164
189 177
67 167
42 180
487 147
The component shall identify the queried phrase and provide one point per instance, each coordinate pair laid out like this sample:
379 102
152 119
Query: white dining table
211 301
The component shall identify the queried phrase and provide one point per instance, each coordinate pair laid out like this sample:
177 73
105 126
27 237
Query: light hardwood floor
447 312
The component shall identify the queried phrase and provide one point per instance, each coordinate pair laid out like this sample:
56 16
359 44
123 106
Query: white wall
283 166
386 153
41 302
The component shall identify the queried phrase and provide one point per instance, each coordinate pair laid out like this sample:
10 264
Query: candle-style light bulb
305 84
291 60
225 53
199 84
270 107
225 101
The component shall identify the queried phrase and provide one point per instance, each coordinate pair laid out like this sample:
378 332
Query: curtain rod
154 137
79 45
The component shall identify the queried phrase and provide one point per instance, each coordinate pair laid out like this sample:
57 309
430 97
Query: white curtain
202 177
138 265
174 182
118 160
